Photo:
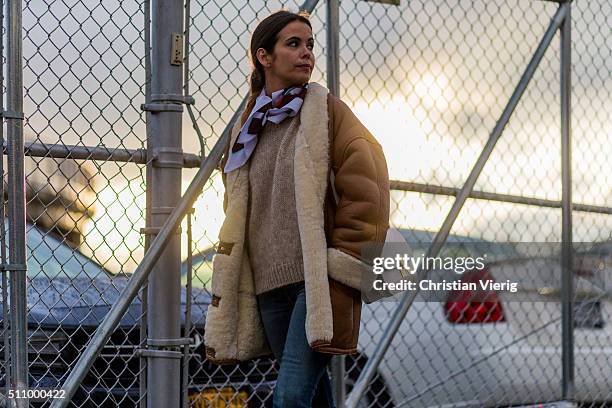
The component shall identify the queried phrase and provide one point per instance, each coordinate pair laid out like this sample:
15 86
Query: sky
429 79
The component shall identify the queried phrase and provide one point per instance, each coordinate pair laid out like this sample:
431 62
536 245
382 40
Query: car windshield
202 269
459 246
418 241
603 249
49 257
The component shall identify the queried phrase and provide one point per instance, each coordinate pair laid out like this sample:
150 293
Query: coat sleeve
362 184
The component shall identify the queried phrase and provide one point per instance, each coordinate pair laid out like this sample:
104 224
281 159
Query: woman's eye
295 43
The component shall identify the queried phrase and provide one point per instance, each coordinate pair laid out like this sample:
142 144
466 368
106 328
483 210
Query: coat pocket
346 313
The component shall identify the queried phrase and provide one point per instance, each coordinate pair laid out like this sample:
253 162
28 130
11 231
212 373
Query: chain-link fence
430 79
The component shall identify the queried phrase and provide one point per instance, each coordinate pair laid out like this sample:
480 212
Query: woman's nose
306 52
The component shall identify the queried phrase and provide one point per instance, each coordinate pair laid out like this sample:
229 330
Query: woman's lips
304 67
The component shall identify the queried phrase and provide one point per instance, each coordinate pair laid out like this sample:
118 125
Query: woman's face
292 61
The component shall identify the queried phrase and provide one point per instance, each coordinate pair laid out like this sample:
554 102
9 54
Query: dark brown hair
265 36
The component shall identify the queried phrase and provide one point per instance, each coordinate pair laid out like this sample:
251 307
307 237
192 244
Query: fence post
142 360
165 166
16 206
333 83
567 319
6 365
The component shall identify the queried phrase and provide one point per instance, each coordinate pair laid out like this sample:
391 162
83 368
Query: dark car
68 296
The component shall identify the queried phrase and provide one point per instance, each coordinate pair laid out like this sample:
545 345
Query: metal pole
484 195
187 328
309 5
406 301
64 151
333 44
165 141
16 206
5 312
186 350
333 84
338 379
142 360
567 322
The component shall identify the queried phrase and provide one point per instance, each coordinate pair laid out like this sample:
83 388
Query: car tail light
469 306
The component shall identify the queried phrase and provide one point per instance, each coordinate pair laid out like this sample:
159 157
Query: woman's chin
304 77
300 80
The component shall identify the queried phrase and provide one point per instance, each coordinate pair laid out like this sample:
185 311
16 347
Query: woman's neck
271 88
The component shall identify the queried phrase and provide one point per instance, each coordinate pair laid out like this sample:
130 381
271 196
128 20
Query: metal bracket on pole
176 98
168 157
13 267
12 115
161 210
161 107
167 103
176 51
155 230
181 341
152 353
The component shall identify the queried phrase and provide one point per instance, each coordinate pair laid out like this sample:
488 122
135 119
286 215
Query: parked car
456 352
461 352
505 351
68 296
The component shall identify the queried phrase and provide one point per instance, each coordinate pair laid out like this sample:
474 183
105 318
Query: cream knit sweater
272 229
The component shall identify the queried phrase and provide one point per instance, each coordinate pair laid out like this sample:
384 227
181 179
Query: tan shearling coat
233 330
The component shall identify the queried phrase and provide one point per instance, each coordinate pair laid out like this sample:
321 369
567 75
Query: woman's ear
263 57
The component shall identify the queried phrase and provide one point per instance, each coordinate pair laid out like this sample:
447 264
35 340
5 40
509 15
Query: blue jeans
302 379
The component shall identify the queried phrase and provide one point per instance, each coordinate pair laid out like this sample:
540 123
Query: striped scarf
283 103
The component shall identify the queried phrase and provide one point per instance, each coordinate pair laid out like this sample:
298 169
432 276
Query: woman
287 272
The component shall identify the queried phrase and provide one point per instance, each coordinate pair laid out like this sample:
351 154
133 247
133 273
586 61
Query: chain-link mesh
429 79
83 72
